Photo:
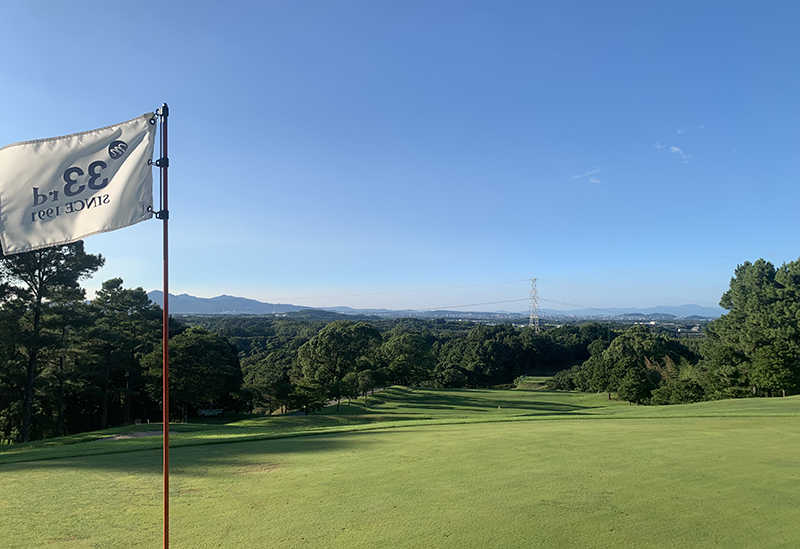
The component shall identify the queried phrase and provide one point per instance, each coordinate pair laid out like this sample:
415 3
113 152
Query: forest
70 365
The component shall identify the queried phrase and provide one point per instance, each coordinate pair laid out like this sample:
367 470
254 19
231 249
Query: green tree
12 369
339 348
309 395
128 326
203 368
636 386
265 377
366 383
38 280
492 355
449 376
597 370
756 345
64 365
350 385
677 385
408 358
627 358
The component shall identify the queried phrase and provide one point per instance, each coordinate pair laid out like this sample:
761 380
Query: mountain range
185 304
231 305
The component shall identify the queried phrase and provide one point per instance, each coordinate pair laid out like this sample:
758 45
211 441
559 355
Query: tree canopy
33 283
756 345
203 369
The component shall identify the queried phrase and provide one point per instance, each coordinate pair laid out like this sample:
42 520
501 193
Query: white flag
60 190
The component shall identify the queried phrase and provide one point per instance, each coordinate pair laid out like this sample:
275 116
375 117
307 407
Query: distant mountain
224 304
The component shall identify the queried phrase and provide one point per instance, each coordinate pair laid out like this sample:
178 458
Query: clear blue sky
366 153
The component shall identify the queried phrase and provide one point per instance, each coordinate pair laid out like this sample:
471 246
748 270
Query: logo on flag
117 149
60 190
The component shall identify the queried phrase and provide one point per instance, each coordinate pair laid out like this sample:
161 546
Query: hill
223 304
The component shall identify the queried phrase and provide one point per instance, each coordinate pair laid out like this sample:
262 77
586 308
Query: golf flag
60 190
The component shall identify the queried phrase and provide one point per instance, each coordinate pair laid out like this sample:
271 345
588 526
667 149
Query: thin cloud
681 130
594 180
676 150
587 174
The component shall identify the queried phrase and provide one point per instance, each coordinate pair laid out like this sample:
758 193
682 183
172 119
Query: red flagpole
163 163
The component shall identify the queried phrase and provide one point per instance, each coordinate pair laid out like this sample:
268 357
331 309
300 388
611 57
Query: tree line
752 350
345 359
69 365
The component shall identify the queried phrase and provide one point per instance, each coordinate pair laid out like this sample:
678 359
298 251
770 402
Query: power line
532 297
578 305
629 293
401 291
472 305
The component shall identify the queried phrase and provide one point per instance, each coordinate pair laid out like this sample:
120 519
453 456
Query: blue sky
425 154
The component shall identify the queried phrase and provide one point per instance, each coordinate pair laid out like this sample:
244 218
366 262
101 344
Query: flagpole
163 163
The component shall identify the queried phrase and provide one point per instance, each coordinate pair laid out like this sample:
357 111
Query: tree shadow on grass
460 401
396 404
194 460
508 408
423 401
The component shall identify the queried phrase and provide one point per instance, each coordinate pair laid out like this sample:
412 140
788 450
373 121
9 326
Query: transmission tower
534 320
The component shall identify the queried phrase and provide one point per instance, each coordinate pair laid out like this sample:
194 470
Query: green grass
533 380
395 406
424 468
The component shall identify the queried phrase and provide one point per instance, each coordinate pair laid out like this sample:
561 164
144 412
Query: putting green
639 482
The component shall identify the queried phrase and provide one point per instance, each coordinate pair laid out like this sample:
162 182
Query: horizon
425 155
545 311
